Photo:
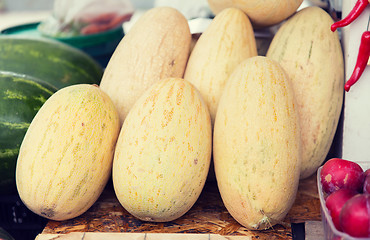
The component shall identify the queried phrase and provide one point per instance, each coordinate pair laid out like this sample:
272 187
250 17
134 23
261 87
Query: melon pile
163 109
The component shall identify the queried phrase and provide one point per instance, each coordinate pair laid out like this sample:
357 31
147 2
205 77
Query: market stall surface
207 219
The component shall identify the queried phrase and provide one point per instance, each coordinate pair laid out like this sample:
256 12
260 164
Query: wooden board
314 230
207 216
137 236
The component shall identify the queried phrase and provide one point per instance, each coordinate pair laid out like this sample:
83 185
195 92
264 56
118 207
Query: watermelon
21 96
4 235
49 60
31 70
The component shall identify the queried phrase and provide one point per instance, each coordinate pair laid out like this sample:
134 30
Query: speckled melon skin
227 41
65 159
257 145
156 47
313 60
163 152
263 13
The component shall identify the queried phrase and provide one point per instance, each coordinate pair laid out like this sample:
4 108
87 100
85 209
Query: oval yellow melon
312 57
262 13
65 159
156 47
227 41
257 146
163 152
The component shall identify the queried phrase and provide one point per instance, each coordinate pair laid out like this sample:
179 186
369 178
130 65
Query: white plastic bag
83 17
191 9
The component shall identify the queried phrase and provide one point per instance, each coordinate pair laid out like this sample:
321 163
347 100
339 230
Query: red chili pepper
352 15
362 59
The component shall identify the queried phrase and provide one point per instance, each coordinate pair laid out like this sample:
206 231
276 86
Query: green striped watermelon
21 97
31 70
4 235
54 62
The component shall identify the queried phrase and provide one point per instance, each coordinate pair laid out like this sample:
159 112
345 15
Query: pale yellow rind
156 47
257 146
163 152
227 41
312 57
262 13
65 159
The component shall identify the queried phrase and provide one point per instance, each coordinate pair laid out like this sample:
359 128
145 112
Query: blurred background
14 12
21 5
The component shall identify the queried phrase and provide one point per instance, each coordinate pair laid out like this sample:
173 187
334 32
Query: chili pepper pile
364 50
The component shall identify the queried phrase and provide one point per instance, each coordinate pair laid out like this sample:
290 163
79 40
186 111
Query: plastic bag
191 9
84 17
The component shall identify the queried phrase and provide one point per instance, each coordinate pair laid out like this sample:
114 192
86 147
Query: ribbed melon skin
257 145
65 158
20 99
54 62
156 47
163 153
227 41
312 57
262 13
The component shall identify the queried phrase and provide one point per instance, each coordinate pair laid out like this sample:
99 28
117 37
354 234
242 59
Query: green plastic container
99 46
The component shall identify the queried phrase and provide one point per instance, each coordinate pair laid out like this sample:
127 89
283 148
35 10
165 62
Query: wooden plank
137 236
314 230
207 216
